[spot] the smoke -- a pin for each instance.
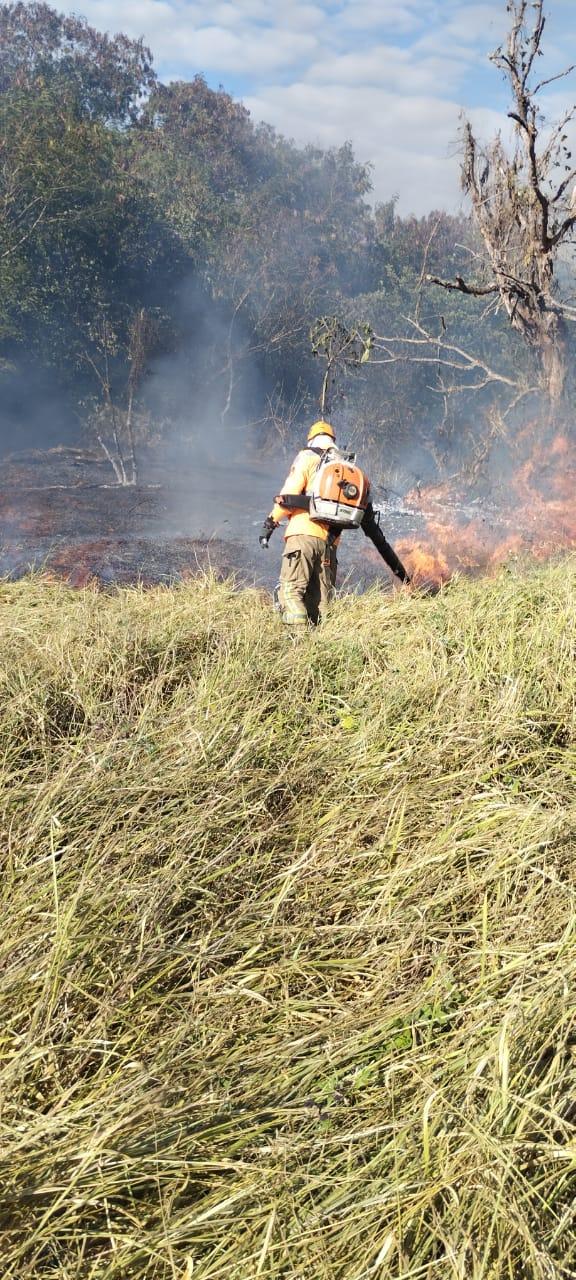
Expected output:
(197, 433)
(206, 397)
(36, 412)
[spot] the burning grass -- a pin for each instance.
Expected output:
(288, 950)
(534, 514)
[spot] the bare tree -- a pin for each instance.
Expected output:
(524, 204)
(342, 348)
(113, 414)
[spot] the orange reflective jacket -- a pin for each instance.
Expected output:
(299, 480)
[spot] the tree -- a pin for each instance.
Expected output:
(523, 205)
(441, 366)
(108, 77)
(276, 235)
(342, 349)
(54, 167)
(119, 371)
(84, 250)
(302, 245)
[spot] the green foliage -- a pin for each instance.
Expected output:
(107, 77)
(119, 194)
(82, 241)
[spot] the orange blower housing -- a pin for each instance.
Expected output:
(340, 493)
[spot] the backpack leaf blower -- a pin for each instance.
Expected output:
(340, 497)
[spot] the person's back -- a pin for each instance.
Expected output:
(309, 562)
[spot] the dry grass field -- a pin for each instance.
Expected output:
(288, 934)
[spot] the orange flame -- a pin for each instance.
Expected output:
(537, 518)
(423, 564)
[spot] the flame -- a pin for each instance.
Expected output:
(423, 564)
(535, 515)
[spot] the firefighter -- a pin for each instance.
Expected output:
(309, 563)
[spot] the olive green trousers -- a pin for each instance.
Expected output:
(307, 579)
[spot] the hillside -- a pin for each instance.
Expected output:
(287, 943)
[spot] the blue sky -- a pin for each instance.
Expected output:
(392, 77)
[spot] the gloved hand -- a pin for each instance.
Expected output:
(266, 532)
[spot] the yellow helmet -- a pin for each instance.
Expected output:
(321, 429)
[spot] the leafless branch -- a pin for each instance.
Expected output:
(423, 272)
(430, 348)
(552, 79)
(563, 186)
(459, 286)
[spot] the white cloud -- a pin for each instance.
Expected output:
(180, 36)
(147, 18)
(390, 75)
(216, 49)
(411, 140)
(365, 15)
(477, 24)
(300, 16)
(388, 66)
(226, 15)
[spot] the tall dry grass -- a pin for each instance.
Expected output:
(288, 945)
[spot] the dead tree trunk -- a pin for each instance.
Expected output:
(523, 206)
